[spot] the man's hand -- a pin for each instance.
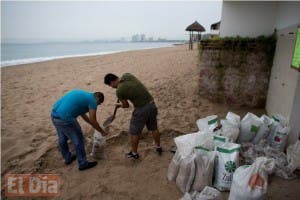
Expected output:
(124, 104)
(104, 133)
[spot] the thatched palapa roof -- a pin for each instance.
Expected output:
(195, 27)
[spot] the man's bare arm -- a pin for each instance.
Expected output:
(86, 118)
(94, 123)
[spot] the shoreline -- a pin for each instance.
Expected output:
(51, 58)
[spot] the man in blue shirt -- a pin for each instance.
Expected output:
(64, 113)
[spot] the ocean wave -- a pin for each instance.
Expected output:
(42, 59)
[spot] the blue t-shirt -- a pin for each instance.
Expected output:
(73, 104)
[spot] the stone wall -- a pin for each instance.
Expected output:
(236, 72)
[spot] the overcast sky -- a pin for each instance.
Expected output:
(57, 21)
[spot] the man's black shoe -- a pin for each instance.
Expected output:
(133, 155)
(159, 150)
(88, 166)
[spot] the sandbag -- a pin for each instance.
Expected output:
(233, 118)
(230, 130)
(278, 137)
(207, 124)
(219, 140)
(264, 130)
(250, 125)
(280, 119)
(99, 143)
(186, 143)
(204, 163)
(251, 182)
(186, 196)
(186, 174)
(174, 167)
(293, 156)
(227, 160)
(209, 193)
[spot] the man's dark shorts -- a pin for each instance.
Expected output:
(142, 116)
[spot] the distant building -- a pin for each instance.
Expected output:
(150, 39)
(143, 37)
(161, 39)
(135, 38)
(215, 29)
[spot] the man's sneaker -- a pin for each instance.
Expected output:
(159, 150)
(88, 166)
(132, 155)
(73, 157)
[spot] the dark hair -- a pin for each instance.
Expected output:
(109, 78)
(99, 96)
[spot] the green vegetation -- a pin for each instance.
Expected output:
(243, 45)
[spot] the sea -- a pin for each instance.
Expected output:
(15, 54)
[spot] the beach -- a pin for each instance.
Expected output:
(29, 140)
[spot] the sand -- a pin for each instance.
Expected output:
(29, 141)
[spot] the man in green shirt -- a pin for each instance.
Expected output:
(128, 87)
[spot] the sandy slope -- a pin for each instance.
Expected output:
(171, 74)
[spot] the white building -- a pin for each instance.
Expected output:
(261, 18)
(215, 28)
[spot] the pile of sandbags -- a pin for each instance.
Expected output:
(210, 157)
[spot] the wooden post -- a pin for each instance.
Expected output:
(192, 41)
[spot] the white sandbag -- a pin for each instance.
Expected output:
(186, 174)
(266, 120)
(207, 124)
(99, 143)
(251, 182)
(186, 196)
(230, 130)
(174, 167)
(186, 143)
(281, 163)
(209, 193)
(227, 160)
(279, 137)
(204, 162)
(250, 125)
(293, 156)
(219, 140)
(279, 118)
(264, 130)
(233, 118)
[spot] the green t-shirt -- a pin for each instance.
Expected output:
(130, 88)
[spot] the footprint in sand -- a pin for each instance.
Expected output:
(29, 102)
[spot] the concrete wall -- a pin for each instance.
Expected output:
(295, 116)
(235, 72)
(248, 19)
(283, 80)
(283, 94)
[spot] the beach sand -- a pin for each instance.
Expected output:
(29, 141)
